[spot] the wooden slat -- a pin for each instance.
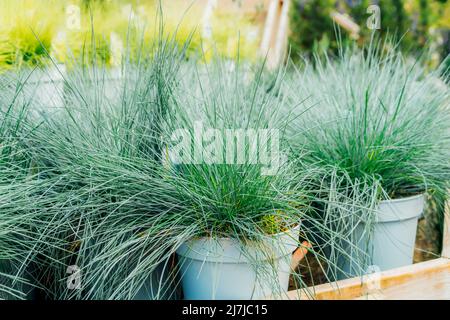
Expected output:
(299, 254)
(446, 239)
(346, 23)
(272, 13)
(275, 37)
(281, 40)
(388, 281)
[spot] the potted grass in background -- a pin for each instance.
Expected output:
(379, 132)
(107, 34)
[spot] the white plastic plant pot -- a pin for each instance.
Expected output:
(218, 269)
(390, 243)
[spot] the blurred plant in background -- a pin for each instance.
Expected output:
(25, 36)
(66, 29)
(121, 25)
(235, 35)
(419, 23)
(310, 26)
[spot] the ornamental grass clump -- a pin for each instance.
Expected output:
(226, 153)
(102, 155)
(22, 223)
(377, 128)
(14, 168)
(131, 168)
(214, 186)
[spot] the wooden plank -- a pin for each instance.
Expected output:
(275, 37)
(281, 40)
(272, 13)
(299, 254)
(433, 287)
(446, 238)
(346, 23)
(385, 283)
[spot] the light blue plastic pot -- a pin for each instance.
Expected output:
(391, 243)
(217, 269)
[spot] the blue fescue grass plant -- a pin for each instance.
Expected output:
(13, 165)
(102, 155)
(377, 127)
(386, 120)
(21, 194)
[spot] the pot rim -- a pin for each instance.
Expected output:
(279, 234)
(404, 199)
(401, 209)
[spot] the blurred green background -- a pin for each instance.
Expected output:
(420, 24)
(67, 29)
